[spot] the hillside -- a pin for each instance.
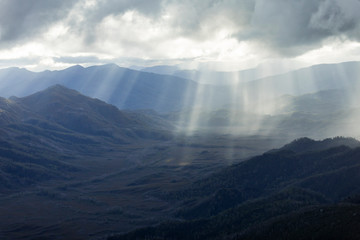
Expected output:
(76, 112)
(325, 222)
(282, 168)
(41, 131)
(271, 191)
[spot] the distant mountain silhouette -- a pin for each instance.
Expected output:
(130, 89)
(124, 88)
(317, 77)
(208, 76)
(161, 69)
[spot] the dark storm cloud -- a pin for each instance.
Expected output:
(292, 27)
(23, 19)
(337, 17)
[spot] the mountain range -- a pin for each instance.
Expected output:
(131, 89)
(124, 88)
(208, 76)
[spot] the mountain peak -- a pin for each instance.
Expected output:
(77, 112)
(110, 65)
(105, 66)
(55, 92)
(58, 87)
(75, 67)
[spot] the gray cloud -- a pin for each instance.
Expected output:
(293, 27)
(200, 19)
(286, 27)
(21, 20)
(282, 25)
(337, 17)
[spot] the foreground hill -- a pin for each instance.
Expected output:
(273, 191)
(341, 221)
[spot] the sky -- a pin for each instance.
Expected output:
(224, 35)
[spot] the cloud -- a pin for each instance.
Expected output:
(201, 19)
(292, 28)
(77, 60)
(283, 27)
(172, 29)
(20, 20)
(93, 12)
(337, 17)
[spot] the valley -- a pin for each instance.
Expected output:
(103, 176)
(115, 190)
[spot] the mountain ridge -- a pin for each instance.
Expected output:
(125, 88)
(131, 89)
